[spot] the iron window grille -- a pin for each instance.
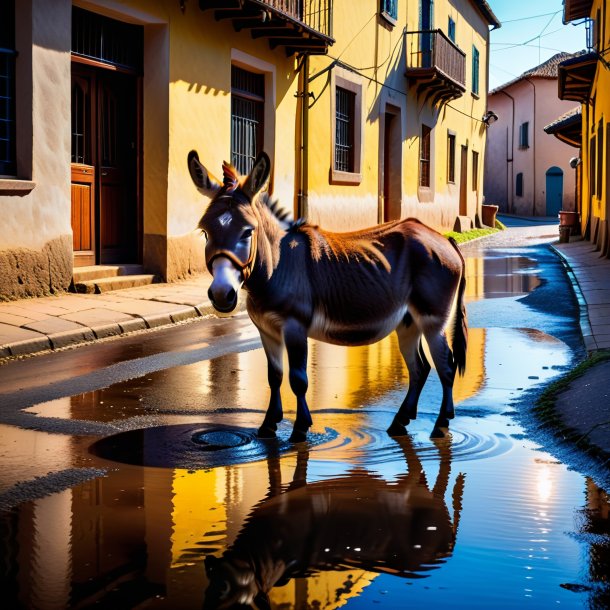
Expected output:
(345, 105)
(424, 156)
(107, 40)
(8, 54)
(247, 112)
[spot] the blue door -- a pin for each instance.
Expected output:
(554, 190)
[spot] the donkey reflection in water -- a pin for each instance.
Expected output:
(356, 522)
(342, 288)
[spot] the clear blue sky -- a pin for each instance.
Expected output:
(531, 32)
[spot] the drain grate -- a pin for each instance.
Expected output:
(215, 440)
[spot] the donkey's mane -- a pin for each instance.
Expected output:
(283, 216)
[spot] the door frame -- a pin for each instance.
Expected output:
(390, 165)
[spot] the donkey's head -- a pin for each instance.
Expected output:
(230, 225)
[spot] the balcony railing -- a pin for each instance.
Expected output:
(436, 64)
(297, 25)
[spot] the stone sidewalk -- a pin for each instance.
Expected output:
(29, 326)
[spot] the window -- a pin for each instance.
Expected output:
(475, 170)
(7, 89)
(519, 185)
(451, 30)
(347, 127)
(600, 157)
(475, 70)
(247, 112)
(424, 156)
(451, 157)
(389, 8)
(344, 129)
(524, 135)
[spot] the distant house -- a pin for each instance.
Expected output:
(585, 79)
(526, 171)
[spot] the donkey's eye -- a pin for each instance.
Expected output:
(247, 234)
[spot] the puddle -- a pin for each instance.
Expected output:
(195, 511)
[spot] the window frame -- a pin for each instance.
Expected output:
(451, 148)
(519, 185)
(476, 64)
(524, 135)
(475, 170)
(344, 79)
(388, 9)
(451, 29)
(425, 157)
(256, 100)
(8, 54)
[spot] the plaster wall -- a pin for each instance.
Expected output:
(35, 232)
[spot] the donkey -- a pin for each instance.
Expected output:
(358, 521)
(342, 288)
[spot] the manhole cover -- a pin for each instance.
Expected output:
(214, 440)
(193, 446)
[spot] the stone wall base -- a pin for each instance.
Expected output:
(34, 273)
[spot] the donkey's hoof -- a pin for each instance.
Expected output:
(266, 432)
(298, 436)
(439, 432)
(397, 429)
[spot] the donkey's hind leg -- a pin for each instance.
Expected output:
(443, 361)
(409, 341)
(274, 351)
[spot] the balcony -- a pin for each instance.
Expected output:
(300, 26)
(435, 65)
(575, 77)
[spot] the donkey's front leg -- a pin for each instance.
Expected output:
(275, 372)
(295, 338)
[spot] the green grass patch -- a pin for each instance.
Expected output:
(461, 238)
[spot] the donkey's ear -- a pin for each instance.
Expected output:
(201, 177)
(258, 176)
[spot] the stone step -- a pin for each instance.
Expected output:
(105, 284)
(93, 272)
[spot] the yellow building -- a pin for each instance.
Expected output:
(370, 111)
(586, 79)
(397, 147)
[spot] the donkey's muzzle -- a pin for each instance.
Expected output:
(224, 289)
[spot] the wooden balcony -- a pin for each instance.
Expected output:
(300, 26)
(435, 65)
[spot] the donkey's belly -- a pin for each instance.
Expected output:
(362, 332)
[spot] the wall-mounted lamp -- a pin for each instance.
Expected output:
(489, 117)
(575, 162)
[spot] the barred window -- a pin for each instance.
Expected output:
(344, 126)
(247, 117)
(424, 156)
(7, 89)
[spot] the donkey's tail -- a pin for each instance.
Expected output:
(460, 325)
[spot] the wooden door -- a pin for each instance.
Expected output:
(83, 170)
(117, 129)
